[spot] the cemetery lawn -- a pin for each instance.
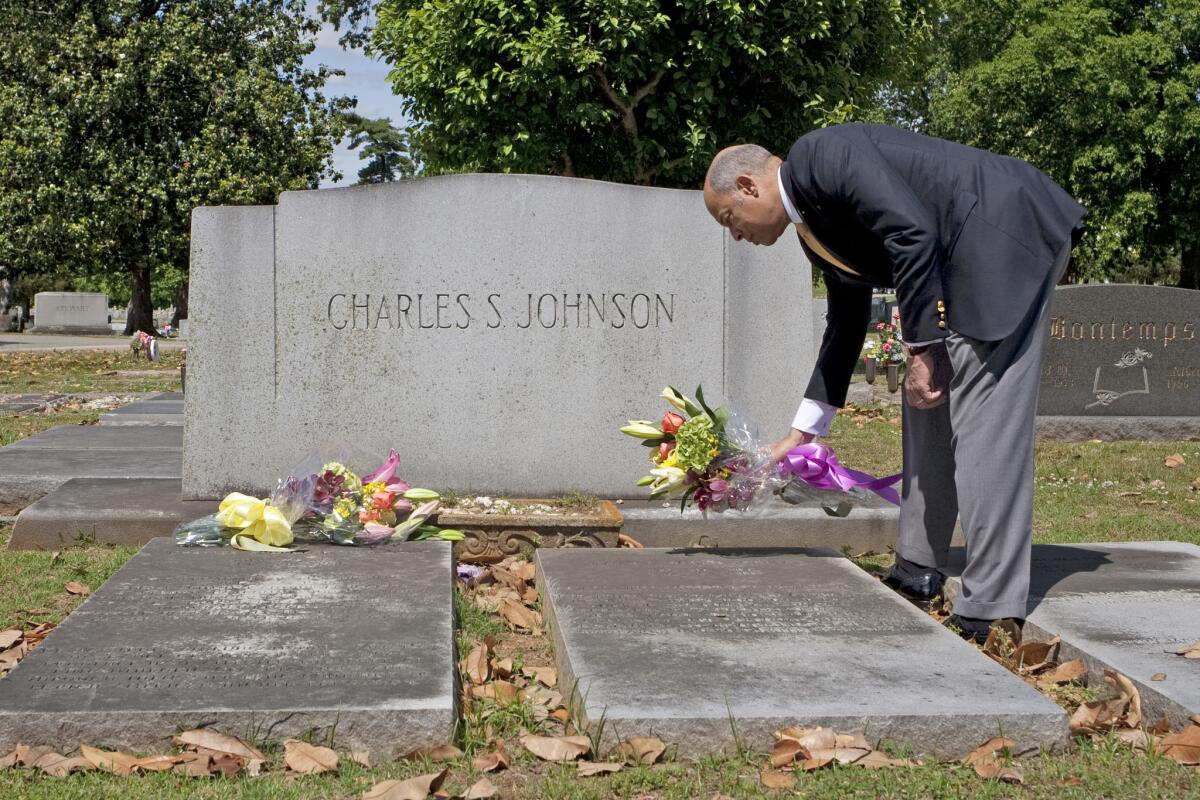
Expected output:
(74, 371)
(1084, 491)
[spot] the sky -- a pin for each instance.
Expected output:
(365, 79)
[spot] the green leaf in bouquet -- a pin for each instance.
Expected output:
(700, 396)
(722, 419)
(450, 535)
(686, 497)
(652, 442)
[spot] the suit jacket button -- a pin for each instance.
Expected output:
(942, 323)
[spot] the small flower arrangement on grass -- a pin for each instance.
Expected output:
(713, 459)
(329, 503)
(142, 342)
(889, 348)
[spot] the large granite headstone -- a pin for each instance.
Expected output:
(702, 646)
(70, 312)
(1123, 606)
(1122, 351)
(496, 329)
(353, 642)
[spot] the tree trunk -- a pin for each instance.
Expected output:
(141, 308)
(1189, 267)
(181, 303)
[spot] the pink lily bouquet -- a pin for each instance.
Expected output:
(713, 459)
(325, 503)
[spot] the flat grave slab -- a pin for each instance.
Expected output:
(124, 511)
(94, 437)
(1125, 607)
(676, 642)
(353, 641)
(151, 406)
(27, 474)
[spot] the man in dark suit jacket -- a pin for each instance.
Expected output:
(973, 244)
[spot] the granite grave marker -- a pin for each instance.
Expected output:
(70, 312)
(496, 329)
(351, 642)
(675, 643)
(1122, 350)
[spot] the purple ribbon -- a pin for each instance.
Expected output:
(817, 465)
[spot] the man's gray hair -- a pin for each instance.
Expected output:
(742, 159)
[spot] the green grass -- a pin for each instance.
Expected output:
(18, 426)
(71, 371)
(33, 581)
(1084, 491)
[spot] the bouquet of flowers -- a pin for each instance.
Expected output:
(323, 501)
(713, 458)
(889, 349)
(142, 342)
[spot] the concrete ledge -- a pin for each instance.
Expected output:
(1155, 429)
(28, 474)
(74, 330)
(121, 511)
(872, 526)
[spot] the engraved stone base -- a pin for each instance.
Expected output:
(702, 646)
(494, 537)
(1123, 606)
(354, 642)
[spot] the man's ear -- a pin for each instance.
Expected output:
(746, 185)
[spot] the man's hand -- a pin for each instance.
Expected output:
(794, 438)
(919, 386)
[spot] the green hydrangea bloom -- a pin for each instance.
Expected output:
(695, 444)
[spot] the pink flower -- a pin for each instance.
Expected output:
(887, 347)
(717, 489)
(879, 326)
(665, 449)
(386, 472)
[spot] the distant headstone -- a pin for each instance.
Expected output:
(353, 644)
(490, 327)
(712, 649)
(1122, 351)
(70, 312)
(1126, 607)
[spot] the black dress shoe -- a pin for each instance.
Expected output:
(976, 630)
(914, 581)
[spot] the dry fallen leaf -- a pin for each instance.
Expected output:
(809, 738)
(308, 759)
(810, 764)
(441, 752)
(1064, 673)
(481, 790)
(1158, 676)
(75, 587)
(786, 751)
(992, 770)
(547, 676)
(519, 616)
(495, 760)
(641, 749)
(211, 740)
(1190, 651)
(503, 691)
(157, 763)
(842, 755)
(362, 757)
(773, 779)
(1032, 655)
(625, 540)
(1071, 781)
(59, 766)
(10, 637)
(475, 667)
(1174, 460)
(194, 765)
(117, 763)
(589, 768)
(987, 751)
(417, 788)
(557, 748)
(1183, 747)
(1133, 715)
(1137, 739)
(228, 764)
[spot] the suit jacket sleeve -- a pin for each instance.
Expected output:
(848, 315)
(852, 177)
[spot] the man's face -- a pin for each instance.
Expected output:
(752, 211)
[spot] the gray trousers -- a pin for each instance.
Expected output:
(972, 457)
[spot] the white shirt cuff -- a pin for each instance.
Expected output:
(814, 417)
(923, 344)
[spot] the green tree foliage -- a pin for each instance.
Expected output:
(384, 148)
(1103, 96)
(118, 117)
(628, 90)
